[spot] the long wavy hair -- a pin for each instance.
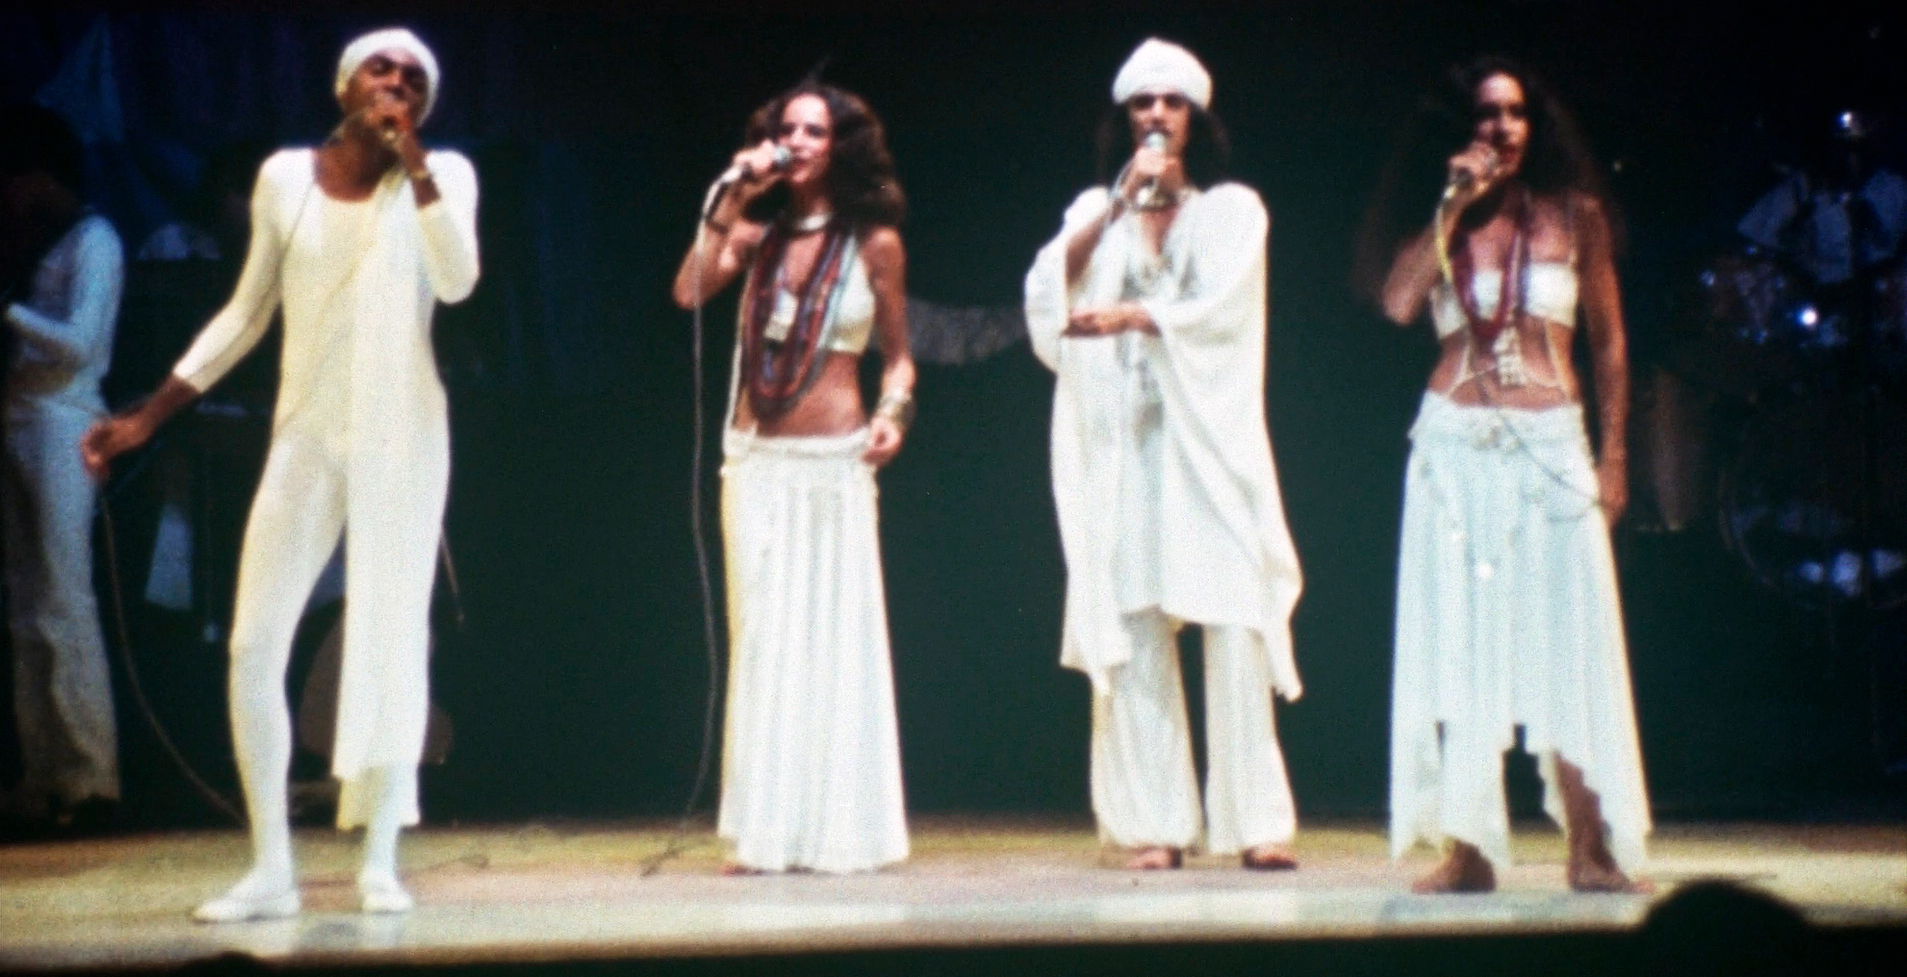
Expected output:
(1557, 162)
(1208, 147)
(860, 178)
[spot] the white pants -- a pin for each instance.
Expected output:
(62, 690)
(296, 520)
(1144, 788)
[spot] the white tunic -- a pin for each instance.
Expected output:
(358, 283)
(1210, 528)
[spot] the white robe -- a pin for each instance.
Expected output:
(358, 283)
(1224, 555)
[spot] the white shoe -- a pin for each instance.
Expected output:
(245, 901)
(381, 893)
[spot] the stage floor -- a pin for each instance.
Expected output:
(548, 892)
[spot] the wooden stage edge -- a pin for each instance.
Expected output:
(549, 893)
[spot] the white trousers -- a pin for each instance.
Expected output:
(296, 520)
(62, 689)
(811, 773)
(1144, 787)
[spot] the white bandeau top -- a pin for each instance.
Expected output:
(1551, 296)
(853, 309)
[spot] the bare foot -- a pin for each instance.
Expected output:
(1593, 869)
(1156, 857)
(1463, 870)
(1269, 858)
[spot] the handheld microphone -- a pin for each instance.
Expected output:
(1460, 182)
(741, 171)
(1155, 141)
(1463, 181)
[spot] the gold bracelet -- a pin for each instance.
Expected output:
(897, 406)
(419, 174)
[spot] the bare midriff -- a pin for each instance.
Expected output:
(832, 406)
(1551, 381)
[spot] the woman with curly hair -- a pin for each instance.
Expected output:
(1507, 611)
(808, 218)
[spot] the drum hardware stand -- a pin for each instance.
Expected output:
(1866, 616)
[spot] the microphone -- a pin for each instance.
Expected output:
(1462, 181)
(741, 171)
(1155, 141)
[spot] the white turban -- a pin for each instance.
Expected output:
(390, 39)
(1162, 66)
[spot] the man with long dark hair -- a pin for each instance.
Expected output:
(1150, 307)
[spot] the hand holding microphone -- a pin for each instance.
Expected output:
(1154, 146)
(1472, 173)
(754, 164)
(389, 119)
(751, 171)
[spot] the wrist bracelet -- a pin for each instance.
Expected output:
(419, 174)
(897, 406)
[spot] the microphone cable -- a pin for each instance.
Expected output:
(678, 842)
(123, 631)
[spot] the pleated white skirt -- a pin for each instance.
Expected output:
(1507, 615)
(811, 774)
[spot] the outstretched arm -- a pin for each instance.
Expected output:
(222, 343)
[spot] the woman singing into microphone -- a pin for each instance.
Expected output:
(1507, 613)
(808, 218)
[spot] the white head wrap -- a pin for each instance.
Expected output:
(1163, 66)
(389, 39)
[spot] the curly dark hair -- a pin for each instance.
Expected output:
(1557, 162)
(1208, 147)
(860, 176)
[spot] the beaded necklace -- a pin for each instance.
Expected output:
(781, 354)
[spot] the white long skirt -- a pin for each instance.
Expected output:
(811, 774)
(1507, 615)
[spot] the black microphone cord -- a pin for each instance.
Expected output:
(678, 842)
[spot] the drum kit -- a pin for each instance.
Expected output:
(1811, 488)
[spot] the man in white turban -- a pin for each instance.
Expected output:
(1150, 308)
(356, 241)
